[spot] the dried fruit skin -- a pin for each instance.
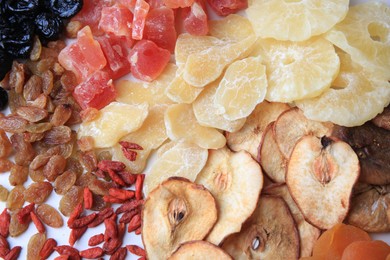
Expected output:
(49, 215)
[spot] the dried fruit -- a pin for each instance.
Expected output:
(92, 253)
(18, 175)
(96, 240)
(47, 248)
(200, 250)
(64, 182)
(49, 215)
(70, 200)
(37, 222)
(15, 227)
(5, 219)
(35, 245)
(38, 192)
(15, 198)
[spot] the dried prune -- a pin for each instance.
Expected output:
(18, 38)
(22, 6)
(48, 26)
(6, 64)
(66, 8)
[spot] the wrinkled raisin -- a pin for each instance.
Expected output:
(35, 245)
(49, 215)
(16, 228)
(15, 198)
(18, 175)
(38, 192)
(64, 182)
(70, 200)
(3, 193)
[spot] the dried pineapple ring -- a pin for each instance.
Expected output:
(295, 20)
(232, 28)
(365, 35)
(181, 92)
(243, 86)
(297, 70)
(356, 98)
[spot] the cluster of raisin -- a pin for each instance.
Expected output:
(20, 20)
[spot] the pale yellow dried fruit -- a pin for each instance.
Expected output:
(232, 28)
(235, 180)
(364, 34)
(243, 86)
(199, 249)
(249, 137)
(355, 97)
(321, 173)
(113, 122)
(206, 114)
(175, 212)
(295, 20)
(181, 92)
(297, 70)
(177, 159)
(150, 136)
(181, 124)
(204, 67)
(133, 92)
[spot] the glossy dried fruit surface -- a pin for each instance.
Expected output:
(49, 215)
(38, 192)
(70, 200)
(35, 245)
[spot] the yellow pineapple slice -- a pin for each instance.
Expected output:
(297, 70)
(204, 67)
(295, 20)
(188, 44)
(181, 124)
(365, 35)
(205, 111)
(113, 122)
(231, 28)
(181, 92)
(150, 136)
(243, 86)
(132, 92)
(180, 159)
(356, 97)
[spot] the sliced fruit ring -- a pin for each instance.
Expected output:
(249, 137)
(297, 70)
(308, 234)
(355, 97)
(320, 175)
(364, 34)
(295, 20)
(370, 208)
(235, 180)
(175, 212)
(232, 28)
(199, 250)
(270, 233)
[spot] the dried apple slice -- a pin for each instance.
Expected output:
(292, 125)
(181, 124)
(181, 92)
(249, 137)
(199, 250)
(175, 212)
(270, 233)
(370, 208)
(235, 180)
(178, 159)
(150, 136)
(308, 234)
(132, 92)
(320, 175)
(205, 111)
(113, 122)
(271, 159)
(243, 86)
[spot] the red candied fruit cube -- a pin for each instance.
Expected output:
(226, 7)
(90, 14)
(195, 20)
(178, 3)
(84, 57)
(148, 60)
(141, 10)
(116, 19)
(97, 91)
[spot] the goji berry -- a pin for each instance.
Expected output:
(83, 221)
(99, 173)
(75, 213)
(37, 222)
(67, 250)
(134, 223)
(62, 257)
(120, 254)
(121, 194)
(3, 242)
(136, 250)
(116, 178)
(129, 145)
(128, 215)
(128, 177)
(5, 219)
(111, 199)
(3, 251)
(129, 154)
(14, 253)
(96, 239)
(128, 206)
(106, 165)
(138, 231)
(111, 230)
(76, 234)
(88, 198)
(101, 216)
(138, 186)
(91, 253)
(47, 248)
(24, 214)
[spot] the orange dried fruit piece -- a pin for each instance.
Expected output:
(297, 70)
(149, 136)
(175, 159)
(321, 173)
(295, 20)
(355, 97)
(113, 122)
(232, 28)
(366, 250)
(364, 34)
(206, 114)
(243, 86)
(333, 241)
(235, 180)
(133, 92)
(181, 124)
(181, 92)
(204, 67)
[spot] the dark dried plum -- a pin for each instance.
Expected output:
(22, 6)
(6, 64)
(17, 40)
(48, 26)
(66, 8)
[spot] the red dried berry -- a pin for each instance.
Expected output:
(37, 222)
(138, 186)
(76, 234)
(92, 253)
(134, 223)
(96, 240)
(106, 165)
(5, 219)
(136, 250)
(88, 198)
(47, 248)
